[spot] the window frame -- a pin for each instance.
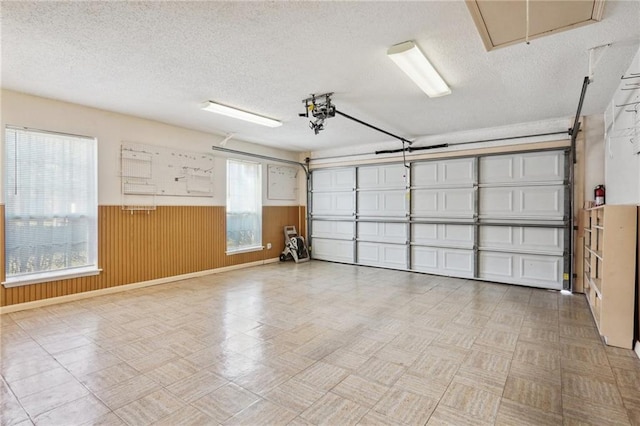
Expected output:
(260, 204)
(91, 268)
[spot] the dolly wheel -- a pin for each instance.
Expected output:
(282, 257)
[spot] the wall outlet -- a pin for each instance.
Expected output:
(268, 246)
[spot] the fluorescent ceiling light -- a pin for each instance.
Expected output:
(412, 61)
(239, 114)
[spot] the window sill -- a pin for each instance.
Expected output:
(51, 276)
(244, 250)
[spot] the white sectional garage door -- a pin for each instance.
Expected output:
(498, 218)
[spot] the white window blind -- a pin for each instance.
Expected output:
(244, 205)
(51, 205)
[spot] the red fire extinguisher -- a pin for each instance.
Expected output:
(599, 195)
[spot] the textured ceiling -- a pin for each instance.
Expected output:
(161, 60)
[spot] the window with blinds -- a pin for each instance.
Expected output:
(51, 206)
(244, 206)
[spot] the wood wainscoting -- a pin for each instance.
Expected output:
(637, 310)
(169, 241)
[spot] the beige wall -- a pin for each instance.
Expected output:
(111, 129)
(594, 154)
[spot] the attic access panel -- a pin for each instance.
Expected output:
(503, 23)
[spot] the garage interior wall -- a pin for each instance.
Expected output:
(183, 235)
(593, 154)
(622, 144)
(621, 156)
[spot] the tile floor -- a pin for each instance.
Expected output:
(316, 343)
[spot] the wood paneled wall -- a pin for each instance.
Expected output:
(2, 258)
(638, 281)
(172, 240)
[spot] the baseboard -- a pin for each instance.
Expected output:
(126, 287)
(637, 348)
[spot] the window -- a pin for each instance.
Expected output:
(51, 206)
(244, 206)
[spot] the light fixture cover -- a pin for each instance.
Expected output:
(412, 61)
(240, 114)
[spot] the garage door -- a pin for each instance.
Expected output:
(498, 218)
(525, 194)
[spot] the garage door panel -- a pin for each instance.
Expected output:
(334, 179)
(459, 172)
(424, 259)
(522, 168)
(458, 261)
(333, 229)
(528, 202)
(459, 202)
(334, 250)
(382, 203)
(526, 269)
(442, 261)
(493, 265)
(385, 255)
(383, 232)
(360, 216)
(518, 238)
(450, 202)
(542, 166)
(543, 239)
(442, 235)
(379, 177)
(334, 204)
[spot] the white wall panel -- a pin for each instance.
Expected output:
(526, 269)
(385, 255)
(385, 232)
(442, 235)
(450, 202)
(334, 250)
(382, 177)
(334, 179)
(518, 239)
(459, 172)
(521, 168)
(528, 202)
(382, 203)
(442, 261)
(333, 204)
(333, 229)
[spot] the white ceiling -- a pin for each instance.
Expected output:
(161, 60)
